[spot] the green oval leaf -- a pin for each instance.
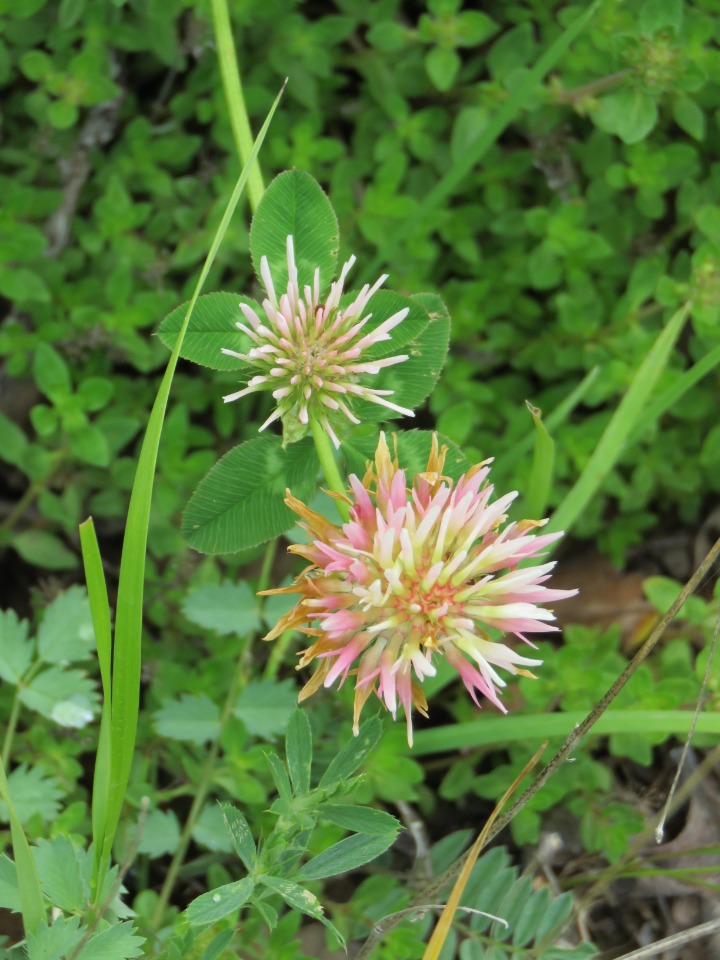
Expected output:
(211, 327)
(346, 855)
(218, 903)
(239, 504)
(295, 205)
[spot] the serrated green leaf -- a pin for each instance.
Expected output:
(239, 504)
(66, 632)
(67, 697)
(117, 942)
(9, 891)
(32, 793)
(55, 942)
(295, 205)
(161, 833)
(361, 819)
(216, 904)
(301, 899)
(346, 855)
(240, 835)
(59, 866)
(264, 706)
(230, 609)
(353, 753)
(193, 718)
(298, 751)
(212, 326)
(43, 549)
(16, 649)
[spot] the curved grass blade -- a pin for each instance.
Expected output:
(128, 626)
(102, 627)
(541, 474)
(630, 414)
(32, 905)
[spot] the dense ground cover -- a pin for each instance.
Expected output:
(561, 244)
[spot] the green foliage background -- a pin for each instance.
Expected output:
(561, 253)
(557, 254)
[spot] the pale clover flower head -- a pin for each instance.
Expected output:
(418, 573)
(312, 355)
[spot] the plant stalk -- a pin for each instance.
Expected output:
(329, 466)
(232, 85)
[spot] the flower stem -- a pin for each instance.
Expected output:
(329, 466)
(232, 86)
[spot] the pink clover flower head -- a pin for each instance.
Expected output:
(418, 573)
(310, 354)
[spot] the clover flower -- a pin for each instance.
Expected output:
(416, 574)
(310, 354)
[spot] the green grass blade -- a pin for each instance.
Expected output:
(128, 626)
(556, 419)
(490, 730)
(476, 151)
(32, 905)
(100, 612)
(232, 85)
(681, 386)
(630, 414)
(536, 499)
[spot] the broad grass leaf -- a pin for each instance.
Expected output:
(239, 503)
(215, 904)
(295, 205)
(211, 327)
